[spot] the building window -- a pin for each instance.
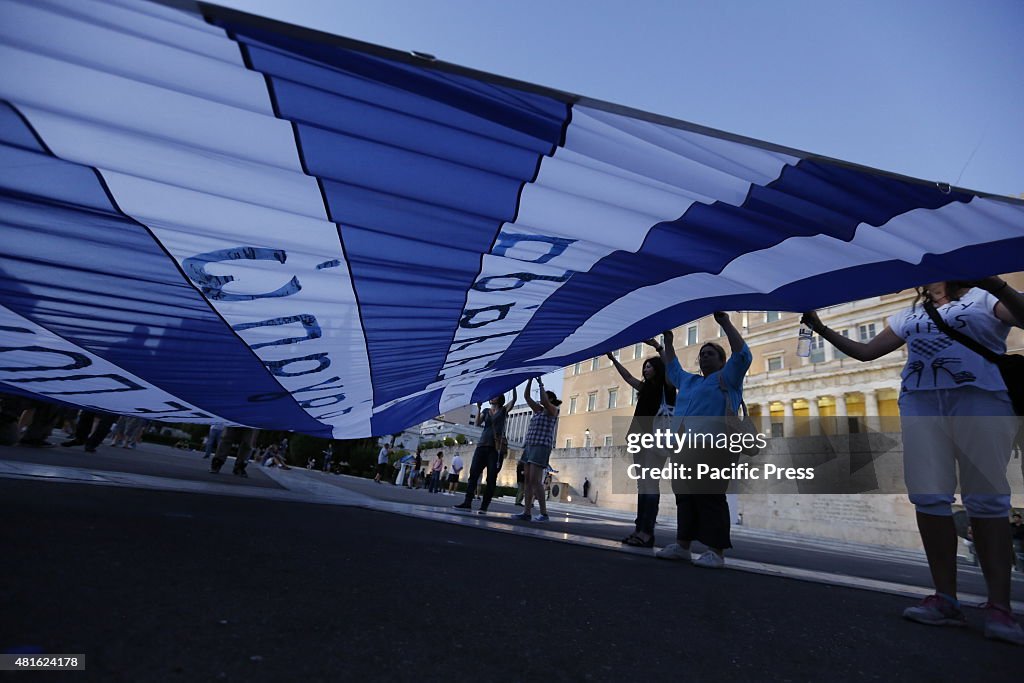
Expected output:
(691, 335)
(774, 363)
(616, 354)
(568, 443)
(817, 349)
(587, 443)
(595, 364)
(632, 398)
(638, 350)
(572, 405)
(866, 332)
(771, 316)
(592, 402)
(613, 398)
(836, 353)
(607, 441)
(576, 369)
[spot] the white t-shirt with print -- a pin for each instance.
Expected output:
(935, 361)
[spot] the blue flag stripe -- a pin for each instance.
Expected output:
(118, 279)
(433, 157)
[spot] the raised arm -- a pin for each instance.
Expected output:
(534, 406)
(887, 341)
(668, 351)
(624, 373)
(736, 342)
(1010, 308)
(512, 402)
(550, 407)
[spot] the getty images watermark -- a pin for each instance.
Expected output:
(666, 441)
(822, 455)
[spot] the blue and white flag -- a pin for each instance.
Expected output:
(211, 216)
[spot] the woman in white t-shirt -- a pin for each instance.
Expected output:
(954, 409)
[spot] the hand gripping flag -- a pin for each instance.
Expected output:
(211, 216)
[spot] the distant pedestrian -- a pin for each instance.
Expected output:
(417, 463)
(88, 434)
(382, 461)
(537, 445)
(520, 482)
(486, 456)
(133, 431)
(453, 478)
(1017, 534)
(237, 440)
(216, 430)
(328, 457)
(435, 472)
(586, 488)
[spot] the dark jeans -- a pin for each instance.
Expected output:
(483, 457)
(647, 512)
(703, 518)
(435, 482)
(648, 493)
(84, 432)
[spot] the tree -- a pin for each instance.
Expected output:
(460, 439)
(449, 441)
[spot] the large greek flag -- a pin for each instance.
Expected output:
(206, 215)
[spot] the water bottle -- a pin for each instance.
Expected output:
(803, 341)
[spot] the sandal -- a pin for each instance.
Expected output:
(629, 538)
(638, 542)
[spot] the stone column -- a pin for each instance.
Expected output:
(841, 405)
(842, 425)
(814, 415)
(870, 403)
(787, 408)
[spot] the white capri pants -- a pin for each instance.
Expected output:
(966, 428)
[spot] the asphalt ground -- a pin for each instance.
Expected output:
(778, 549)
(148, 459)
(166, 586)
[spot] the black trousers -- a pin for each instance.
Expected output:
(647, 512)
(648, 492)
(84, 431)
(703, 517)
(483, 457)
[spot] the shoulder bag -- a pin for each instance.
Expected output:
(1011, 366)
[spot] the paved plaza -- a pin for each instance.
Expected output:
(158, 570)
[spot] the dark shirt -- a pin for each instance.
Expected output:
(648, 402)
(492, 424)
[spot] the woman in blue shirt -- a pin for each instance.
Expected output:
(704, 517)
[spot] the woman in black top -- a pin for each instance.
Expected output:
(653, 391)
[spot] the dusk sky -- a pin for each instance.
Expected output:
(929, 89)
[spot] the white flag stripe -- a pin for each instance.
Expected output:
(34, 359)
(908, 237)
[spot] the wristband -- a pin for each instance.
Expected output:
(999, 288)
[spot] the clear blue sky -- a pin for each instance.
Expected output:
(921, 87)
